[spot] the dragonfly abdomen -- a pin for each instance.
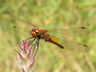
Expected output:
(56, 43)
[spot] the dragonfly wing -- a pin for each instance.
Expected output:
(71, 40)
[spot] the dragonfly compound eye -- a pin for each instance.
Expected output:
(34, 34)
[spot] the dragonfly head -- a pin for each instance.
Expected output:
(34, 32)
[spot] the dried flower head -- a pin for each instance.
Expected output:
(25, 58)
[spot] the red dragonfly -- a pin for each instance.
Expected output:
(43, 34)
(38, 34)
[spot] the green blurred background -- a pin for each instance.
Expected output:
(63, 19)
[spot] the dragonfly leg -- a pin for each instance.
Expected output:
(29, 38)
(36, 47)
(33, 40)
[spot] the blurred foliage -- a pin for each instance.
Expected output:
(65, 18)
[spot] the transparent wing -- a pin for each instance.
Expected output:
(71, 38)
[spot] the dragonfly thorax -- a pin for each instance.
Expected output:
(40, 33)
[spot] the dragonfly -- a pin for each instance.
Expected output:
(37, 34)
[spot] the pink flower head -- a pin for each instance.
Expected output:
(25, 58)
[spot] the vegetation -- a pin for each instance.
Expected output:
(63, 19)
